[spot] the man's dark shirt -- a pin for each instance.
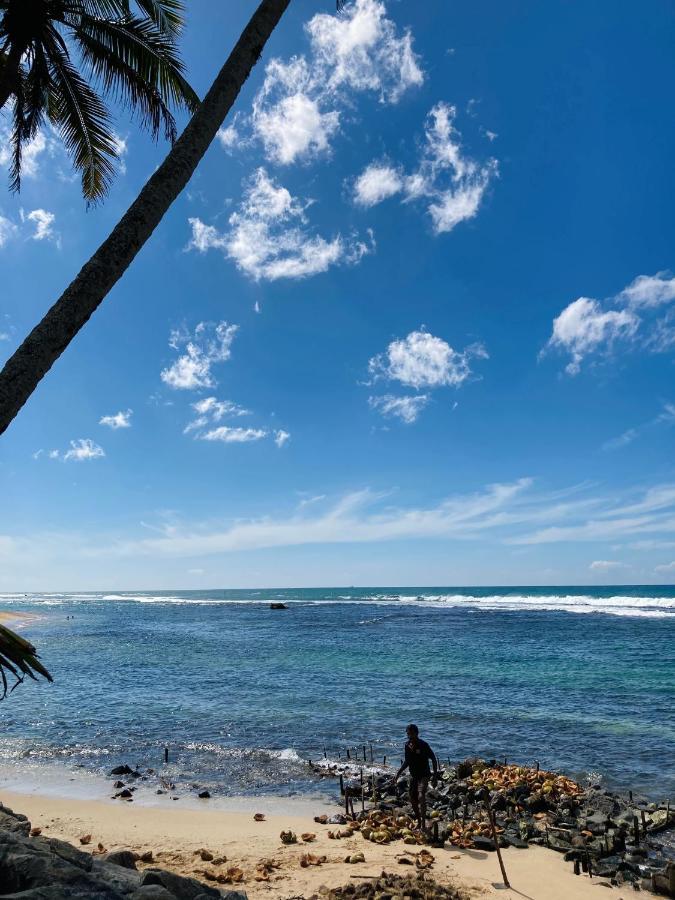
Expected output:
(418, 758)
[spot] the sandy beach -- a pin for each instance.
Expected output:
(174, 835)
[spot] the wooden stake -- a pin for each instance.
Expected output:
(342, 785)
(364, 752)
(636, 831)
(166, 754)
(346, 805)
(495, 838)
(644, 823)
(384, 761)
(363, 797)
(348, 756)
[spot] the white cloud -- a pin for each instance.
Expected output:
(606, 565)
(7, 230)
(405, 408)
(649, 290)
(281, 437)
(53, 454)
(32, 151)
(294, 125)
(622, 440)
(297, 111)
(269, 238)
(210, 344)
(121, 148)
(422, 360)
(211, 411)
(228, 137)
(451, 184)
(376, 183)
(362, 50)
(667, 568)
(634, 316)
(121, 419)
(82, 449)
(38, 454)
(43, 220)
(228, 435)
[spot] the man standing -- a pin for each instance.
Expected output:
(417, 756)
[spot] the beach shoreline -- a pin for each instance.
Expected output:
(174, 835)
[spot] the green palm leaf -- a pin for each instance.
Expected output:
(18, 658)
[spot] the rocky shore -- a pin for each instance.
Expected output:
(623, 839)
(33, 867)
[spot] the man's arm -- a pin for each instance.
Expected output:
(404, 766)
(434, 763)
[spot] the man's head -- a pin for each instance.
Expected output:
(413, 732)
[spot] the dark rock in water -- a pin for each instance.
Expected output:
(124, 858)
(118, 785)
(121, 770)
(203, 795)
(125, 794)
(278, 606)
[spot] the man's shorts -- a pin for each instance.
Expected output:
(418, 789)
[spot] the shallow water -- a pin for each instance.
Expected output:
(244, 696)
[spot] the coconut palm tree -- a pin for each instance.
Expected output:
(18, 658)
(47, 341)
(134, 58)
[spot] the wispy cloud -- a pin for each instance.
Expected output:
(79, 451)
(642, 315)
(666, 568)
(665, 417)
(450, 184)
(407, 409)
(419, 361)
(228, 435)
(209, 344)
(121, 419)
(281, 437)
(606, 565)
(270, 238)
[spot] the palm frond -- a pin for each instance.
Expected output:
(168, 15)
(84, 123)
(18, 658)
(142, 46)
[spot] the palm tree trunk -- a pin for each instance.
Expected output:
(47, 341)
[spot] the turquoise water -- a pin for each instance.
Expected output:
(581, 679)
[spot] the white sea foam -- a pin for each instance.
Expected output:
(615, 605)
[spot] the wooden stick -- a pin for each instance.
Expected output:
(342, 785)
(495, 838)
(371, 751)
(166, 754)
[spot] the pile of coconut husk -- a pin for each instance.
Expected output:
(622, 838)
(395, 887)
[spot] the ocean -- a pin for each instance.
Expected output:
(580, 679)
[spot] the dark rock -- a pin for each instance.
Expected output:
(512, 840)
(125, 794)
(14, 822)
(152, 892)
(118, 784)
(124, 858)
(278, 606)
(337, 819)
(203, 795)
(483, 843)
(121, 770)
(182, 888)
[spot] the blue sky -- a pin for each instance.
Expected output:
(412, 322)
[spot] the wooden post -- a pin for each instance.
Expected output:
(495, 838)
(630, 796)
(166, 754)
(346, 805)
(362, 775)
(363, 797)
(342, 785)
(325, 755)
(348, 756)
(636, 831)
(364, 752)
(384, 761)
(644, 823)
(537, 762)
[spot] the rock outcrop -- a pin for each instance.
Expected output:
(43, 868)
